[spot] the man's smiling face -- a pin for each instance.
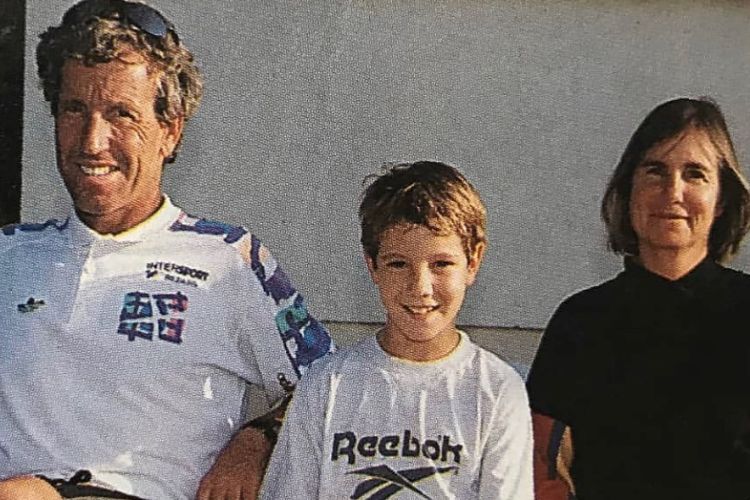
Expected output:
(110, 144)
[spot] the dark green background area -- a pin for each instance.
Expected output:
(11, 107)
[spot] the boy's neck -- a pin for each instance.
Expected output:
(400, 346)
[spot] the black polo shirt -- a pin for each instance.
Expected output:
(653, 378)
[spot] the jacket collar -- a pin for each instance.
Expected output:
(164, 216)
(702, 275)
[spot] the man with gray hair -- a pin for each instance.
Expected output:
(131, 330)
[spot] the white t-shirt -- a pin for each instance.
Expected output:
(129, 355)
(365, 425)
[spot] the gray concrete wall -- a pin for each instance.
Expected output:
(534, 100)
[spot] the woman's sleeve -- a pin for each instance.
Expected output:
(552, 386)
(553, 456)
(553, 379)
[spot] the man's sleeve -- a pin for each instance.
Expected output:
(507, 461)
(280, 337)
(295, 466)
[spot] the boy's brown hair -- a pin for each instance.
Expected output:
(425, 193)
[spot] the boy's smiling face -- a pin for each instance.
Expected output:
(422, 278)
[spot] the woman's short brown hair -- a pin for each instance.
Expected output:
(425, 193)
(664, 122)
(99, 31)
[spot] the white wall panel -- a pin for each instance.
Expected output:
(534, 100)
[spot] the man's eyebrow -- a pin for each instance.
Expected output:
(131, 100)
(127, 104)
(71, 100)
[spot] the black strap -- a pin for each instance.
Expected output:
(270, 423)
(74, 487)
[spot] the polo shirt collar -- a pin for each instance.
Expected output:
(698, 278)
(164, 216)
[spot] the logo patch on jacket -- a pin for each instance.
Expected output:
(144, 314)
(176, 273)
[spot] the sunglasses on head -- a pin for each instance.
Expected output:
(138, 15)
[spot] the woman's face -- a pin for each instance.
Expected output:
(675, 195)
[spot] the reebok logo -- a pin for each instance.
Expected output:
(383, 482)
(346, 444)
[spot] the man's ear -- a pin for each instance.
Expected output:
(475, 262)
(173, 133)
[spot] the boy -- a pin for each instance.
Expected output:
(418, 411)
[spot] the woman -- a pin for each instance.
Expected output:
(641, 385)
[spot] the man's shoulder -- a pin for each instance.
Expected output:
(219, 238)
(208, 230)
(28, 232)
(236, 247)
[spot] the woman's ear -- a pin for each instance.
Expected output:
(719, 210)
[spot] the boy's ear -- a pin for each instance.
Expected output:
(474, 262)
(370, 265)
